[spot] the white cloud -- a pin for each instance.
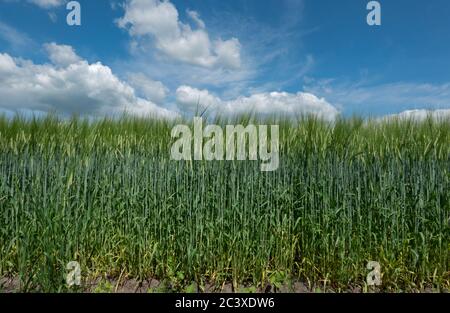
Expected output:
(160, 20)
(68, 85)
(422, 114)
(53, 17)
(47, 3)
(15, 38)
(61, 55)
(196, 18)
(278, 103)
(228, 53)
(193, 100)
(150, 89)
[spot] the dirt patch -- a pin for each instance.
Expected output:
(9, 284)
(132, 285)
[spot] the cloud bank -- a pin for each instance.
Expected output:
(69, 85)
(263, 104)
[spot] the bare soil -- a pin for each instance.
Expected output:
(126, 285)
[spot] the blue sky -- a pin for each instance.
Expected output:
(270, 56)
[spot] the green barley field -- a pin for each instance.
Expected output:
(106, 194)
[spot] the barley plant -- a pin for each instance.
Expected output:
(106, 194)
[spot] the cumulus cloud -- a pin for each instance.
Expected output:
(160, 20)
(279, 103)
(68, 85)
(47, 3)
(61, 55)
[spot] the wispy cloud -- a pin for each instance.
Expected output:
(47, 4)
(379, 99)
(16, 39)
(255, 60)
